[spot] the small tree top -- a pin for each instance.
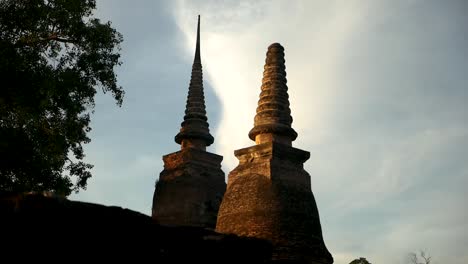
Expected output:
(360, 261)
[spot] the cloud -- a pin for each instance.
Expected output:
(377, 92)
(234, 43)
(378, 96)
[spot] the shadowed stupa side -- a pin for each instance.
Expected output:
(191, 186)
(269, 193)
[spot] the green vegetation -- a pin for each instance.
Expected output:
(54, 55)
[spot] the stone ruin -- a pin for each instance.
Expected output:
(191, 186)
(268, 194)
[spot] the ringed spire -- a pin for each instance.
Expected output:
(273, 119)
(194, 131)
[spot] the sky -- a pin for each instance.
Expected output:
(378, 93)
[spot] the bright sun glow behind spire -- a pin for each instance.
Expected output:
(360, 76)
(234, 54)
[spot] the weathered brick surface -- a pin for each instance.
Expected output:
(190, 189)
(269, 193)
(191, 186)
(269, 197)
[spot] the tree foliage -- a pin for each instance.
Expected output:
(360, 261)
(54, 55)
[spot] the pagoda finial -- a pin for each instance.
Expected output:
(273, 119)
(194, 131)
(197, 48)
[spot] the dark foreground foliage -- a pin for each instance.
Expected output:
(53, 57)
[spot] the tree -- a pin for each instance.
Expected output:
(54, 55)
(422, 258)
(360, 261)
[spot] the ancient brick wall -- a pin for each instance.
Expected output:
(190, 189)
(269, 197)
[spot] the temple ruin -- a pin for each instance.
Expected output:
(191, 186)
(269, 193)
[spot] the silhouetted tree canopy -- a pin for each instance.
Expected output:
(360, 261)
(53, 57)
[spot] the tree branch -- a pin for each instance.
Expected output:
(52, 37)
(427, 260)
(57, 38)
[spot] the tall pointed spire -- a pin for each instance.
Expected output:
(189, 190)
(194, 131)
(197, 47)
(273, 119)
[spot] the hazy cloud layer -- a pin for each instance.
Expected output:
(378, 93)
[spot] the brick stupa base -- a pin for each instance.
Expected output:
(190, 189)
(269, 197)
